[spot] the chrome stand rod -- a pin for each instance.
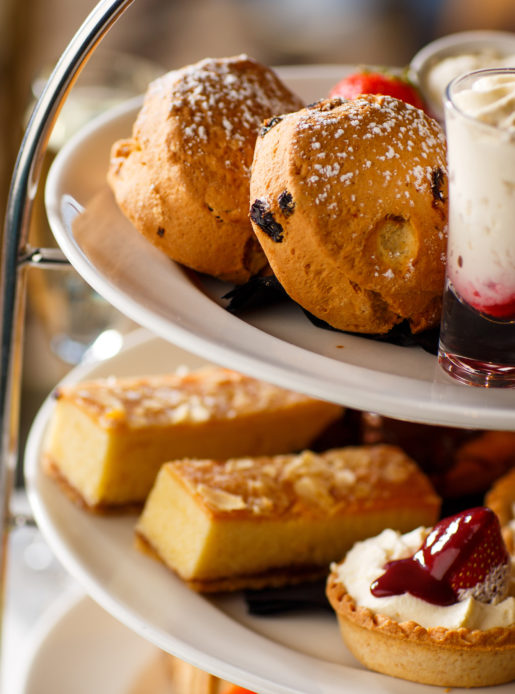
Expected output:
(24, 183)
(53, 258)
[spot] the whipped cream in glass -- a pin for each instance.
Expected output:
(479, 302)
(448, 68)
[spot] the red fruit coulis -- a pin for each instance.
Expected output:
(445, 550)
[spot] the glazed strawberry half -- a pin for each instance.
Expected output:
(371, 82)
(463, 556)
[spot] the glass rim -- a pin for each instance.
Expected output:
(449, 103)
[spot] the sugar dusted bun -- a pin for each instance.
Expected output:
(183, 177)
(349, 201)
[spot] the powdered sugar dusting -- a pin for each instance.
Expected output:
(391, 132)
(225, 99)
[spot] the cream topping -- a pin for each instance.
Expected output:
(365, 562)
(491, 99)
(447, 69)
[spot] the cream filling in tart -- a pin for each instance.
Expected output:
(365, 562)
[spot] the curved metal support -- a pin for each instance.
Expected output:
(24, 184)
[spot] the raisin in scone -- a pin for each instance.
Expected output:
(349, 201)
(183, 177)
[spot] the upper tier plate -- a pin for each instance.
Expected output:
(277, 344)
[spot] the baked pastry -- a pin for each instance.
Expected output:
(459, 462)
(270, 521)
(501, 499)
(108, 438)
(183, 177)
(435, 606)
(349, 201)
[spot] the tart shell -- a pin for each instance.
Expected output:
(437, 656)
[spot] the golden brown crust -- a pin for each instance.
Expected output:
(183, 177)
(501, 497)
(438, 656)
(196, 397)
(349, 201)
(341, 481)
(345, 607)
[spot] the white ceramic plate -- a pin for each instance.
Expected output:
(78, 647)
(278, 344)
(295, 654)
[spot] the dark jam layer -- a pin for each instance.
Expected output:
(408, 576)
(465, 331)
(446, 549)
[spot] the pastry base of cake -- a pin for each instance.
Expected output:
(437, 656)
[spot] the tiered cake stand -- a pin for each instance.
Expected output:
(189, 323)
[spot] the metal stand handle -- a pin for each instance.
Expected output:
(17, 256)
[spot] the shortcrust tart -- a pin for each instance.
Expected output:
(465, 641)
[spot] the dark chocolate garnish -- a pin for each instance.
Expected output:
(261, 215)
(286, 203)
(270, 601)
(400, 335)
(258, 292)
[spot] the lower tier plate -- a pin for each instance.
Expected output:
(101, 654)
(298, 653)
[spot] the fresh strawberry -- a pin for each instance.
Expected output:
(471, 554)
(464, 555)
(371, 82)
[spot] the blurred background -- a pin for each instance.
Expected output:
(171, 33)
(154, 36)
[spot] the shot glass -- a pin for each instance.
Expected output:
(477, 334)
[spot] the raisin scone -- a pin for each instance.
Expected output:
(349, 201)
(183, 177)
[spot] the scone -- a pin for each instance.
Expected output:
(270, 521)
(435, 606)
(349, 201)
(108, 438)
(183, 177)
